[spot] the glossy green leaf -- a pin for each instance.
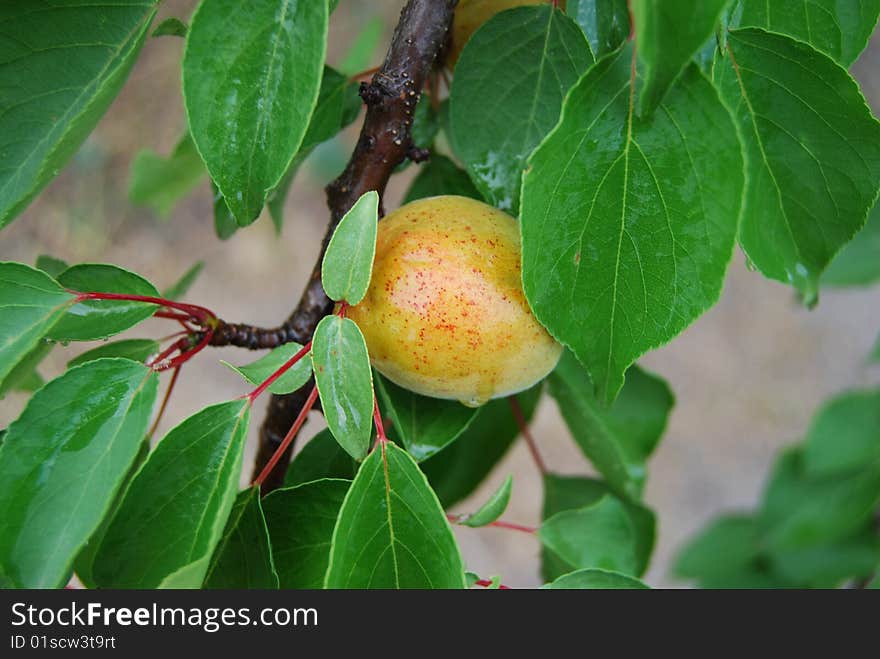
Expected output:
(31, 302)
(839, 28)
(243, 557)
(23, 376)
(137, 350)
(224, 224)
(493, 508)
(175, 510)
(50, 265)
(800, 511)
(458, 470)
(592, 579)
(573, 493)
(345, 382)
(251, 74)
(159, 182)
(301, 521)
(519, 64)
(424, 425)
(321, 457)
(604, 22)
(845, 434)
(170, 27)
(348, 261)
(97, 319)
(668, 35)
(858, 263)
(62, 462)
(391, 531)
(181, 287)
(259, 371)
(617, 439)
(627, 225)
(441, 176)
(63, 64)
(812, 152)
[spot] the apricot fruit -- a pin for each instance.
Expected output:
(445, 314)
(471, 14)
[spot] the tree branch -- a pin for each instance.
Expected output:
(384, 142)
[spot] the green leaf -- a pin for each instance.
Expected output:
(175, 510)
(441, 176)
(137, 350)
(321, 457)
(458, 470)
(493, 508)
(170, 27)
(301, 521)
(224, 224)
(181, 287)
(24, 376)
(50, 265)
(426, 122)
(63, 65)
(827, 566)
(338, 105)
(98, 319)
(619, 253)
(845, 434)
(717, 557)
(425, 425)
(839, 29)
(251, 74)
(800, 511)
(604, 22)
(858, 263)
(592, 579)
(243, 557)
(617, 439)
(812, 153)
(668, 34)
(573, 493)
(31, 302)
(363, 48)
(259, 371)
(159, 183)
(345, 384)
(348, 261)
(601, 535)
(62, 462)
(391, 531)
(520, 64)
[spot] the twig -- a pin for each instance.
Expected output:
(520, 419)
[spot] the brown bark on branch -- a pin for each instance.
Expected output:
(384, 142)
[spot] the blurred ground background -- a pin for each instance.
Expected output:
(747, 375)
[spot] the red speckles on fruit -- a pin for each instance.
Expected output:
(448, 318)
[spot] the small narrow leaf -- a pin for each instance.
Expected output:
(50, 265)
(425, 425)
(812, 152)
(858, 263)
(97, 319)
(175, 510)
(604, 22)
(441, 176)
(181, 287)
(31, 302)
(137, 350)
(170, 27)
(627, 224)
(321, 457)
(391, 531)
(243, 557)
(520, 63)
(63, 65)
(344, 378)
(668, 35)
(493, 508)
(301, 521)
(259, 371)
(616, 439)
(251, 74)
(159, 182)
(592, 579)
(63, 461)
(348, 262)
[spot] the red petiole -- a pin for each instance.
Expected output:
(288, 438)
(281, 371)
